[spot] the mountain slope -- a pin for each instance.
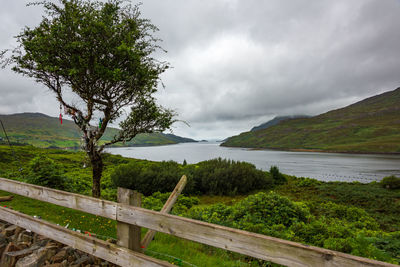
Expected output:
(44, 131)
(275, 121)
(371, 125)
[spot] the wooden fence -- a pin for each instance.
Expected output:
(246, 243)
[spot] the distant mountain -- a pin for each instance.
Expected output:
(276, 120)
(371, 125)
(44, 131)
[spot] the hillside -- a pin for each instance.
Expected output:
(44, 131)
(275, 121)
(369, 126)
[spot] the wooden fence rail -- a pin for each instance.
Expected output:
(247, 243)
(99, 248)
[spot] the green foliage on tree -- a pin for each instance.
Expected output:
(45, 172)
(391, 182)
(101, 53)
(277, 176)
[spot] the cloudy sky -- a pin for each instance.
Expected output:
(237, 64)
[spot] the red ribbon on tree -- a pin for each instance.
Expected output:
(60, 117)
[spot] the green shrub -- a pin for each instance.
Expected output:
(150, 177)
(218, 213)
(358, 217)
(277, 177)
(213, 177)
(127, 175)
(45, 172)
(306, 182)
(391, 182)
(157, 200)
(256, 213)
(227, 177)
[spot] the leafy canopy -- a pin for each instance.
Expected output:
(102, 52)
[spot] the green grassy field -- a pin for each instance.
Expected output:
(368, 126)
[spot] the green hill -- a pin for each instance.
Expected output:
(275, 121)
(44, 131)
(369, 126)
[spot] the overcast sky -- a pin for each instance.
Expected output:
(237, 64)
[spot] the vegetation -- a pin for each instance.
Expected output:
(211, 177)
(370, 125)
(102, 53)
(277, 177)
(275, 121)
(356, 218)
(45, 172)
(391, 182)
(43, 131)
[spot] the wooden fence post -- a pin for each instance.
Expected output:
(129, 235)
(166, 209)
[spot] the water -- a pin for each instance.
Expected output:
(321, 166)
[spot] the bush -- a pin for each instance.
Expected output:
(257, 213)
(214, 177)
(277, 177)
(268, 210)
(226, 177)
(45, 172)
(149, 177)
(306, 182)
(157, 200)
(391, 182)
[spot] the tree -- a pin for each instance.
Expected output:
(101, 53)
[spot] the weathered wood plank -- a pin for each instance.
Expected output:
(99, 248)
(251, 244)
(129, 235)
(87, 204)
(166, 209)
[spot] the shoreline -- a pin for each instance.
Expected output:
(316, 150)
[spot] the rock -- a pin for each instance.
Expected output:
(3, 244)
(6, 260)
(36, 259)
(59, 257)
(11, 257)
(71, 259)
(25, 237)
(17, 231)
(104, 264)
(60, 264)
(83, 261)
(10, 230)
(3, 225)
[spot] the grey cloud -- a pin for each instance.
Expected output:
(237, 64)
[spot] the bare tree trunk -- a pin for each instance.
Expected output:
(97, 170)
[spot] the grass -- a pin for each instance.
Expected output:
(175, 250)
(381, 203)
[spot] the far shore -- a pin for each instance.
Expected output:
(320, 150)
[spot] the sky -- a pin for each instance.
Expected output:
(237, 64)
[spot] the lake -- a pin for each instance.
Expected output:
(322, 166)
